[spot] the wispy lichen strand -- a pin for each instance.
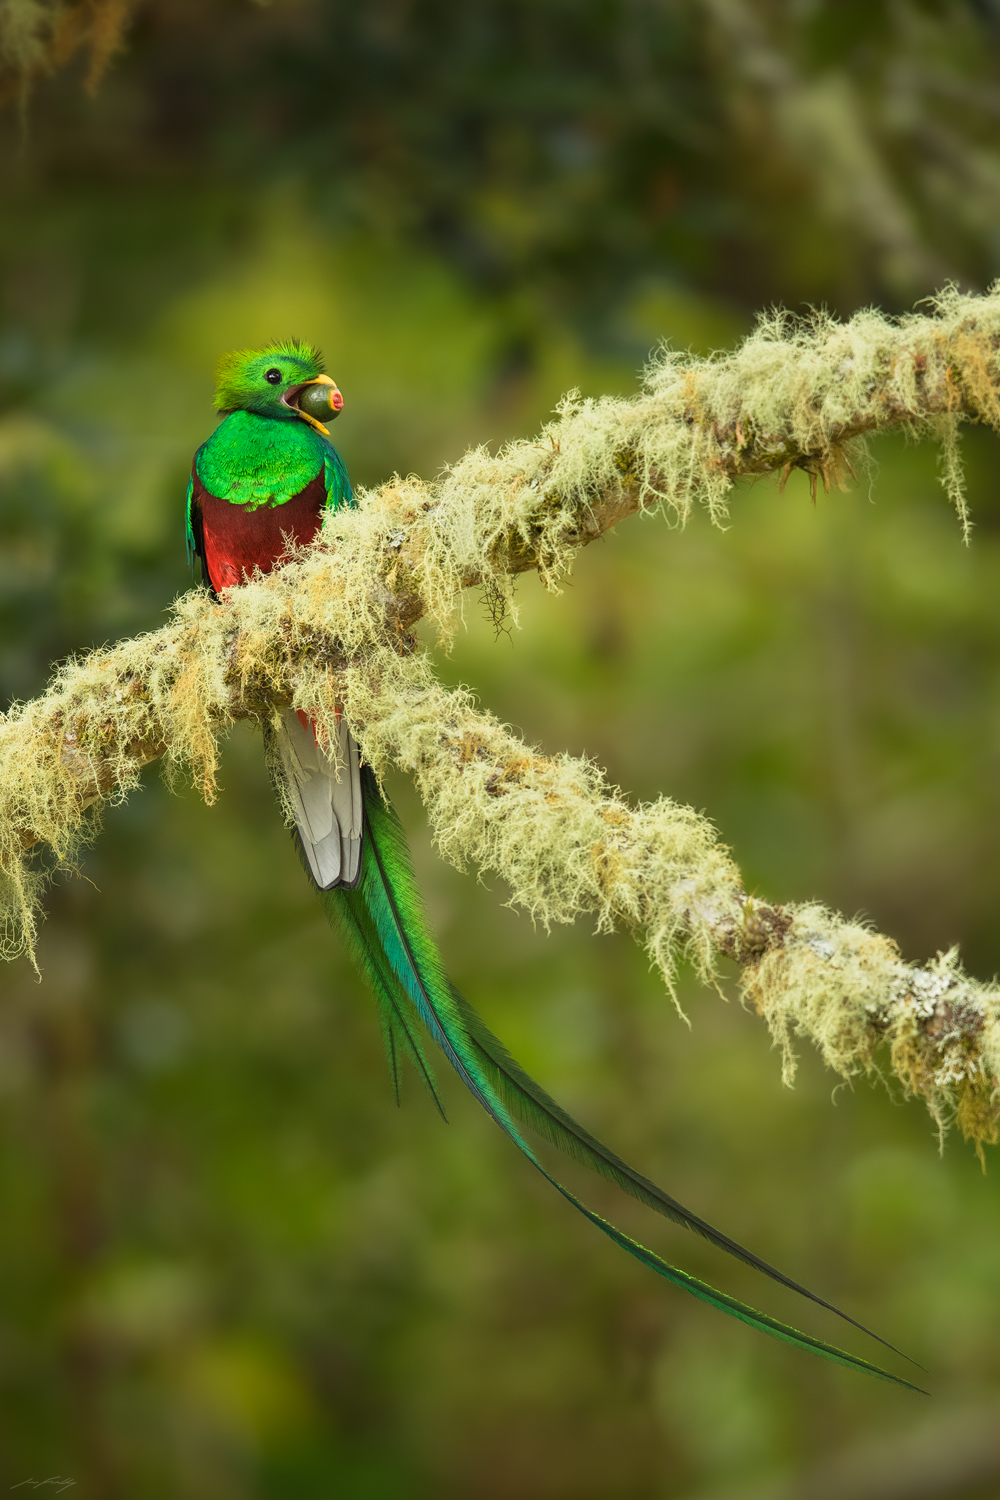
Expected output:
(37, 36)
(331, 628)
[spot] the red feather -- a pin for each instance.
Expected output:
(237, 541)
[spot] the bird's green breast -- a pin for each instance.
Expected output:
(253, 461)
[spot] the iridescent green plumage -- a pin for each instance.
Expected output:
(254, 460)
(384, 923)
(239, 377)
(261, 468)
(263, 453)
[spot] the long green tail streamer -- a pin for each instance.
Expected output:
(384, 923)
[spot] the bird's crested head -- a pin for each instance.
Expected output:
(284, 380)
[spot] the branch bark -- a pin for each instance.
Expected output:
(333, 628)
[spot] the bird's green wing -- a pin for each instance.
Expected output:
(338, 485)
(401, 957)
(188, 521)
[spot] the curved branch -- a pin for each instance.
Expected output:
(333, 627)
(567, 843)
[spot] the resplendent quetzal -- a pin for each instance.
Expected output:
(269, 473)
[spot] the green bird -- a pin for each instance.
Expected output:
(268, 474)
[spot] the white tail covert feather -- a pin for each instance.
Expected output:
(325, 792)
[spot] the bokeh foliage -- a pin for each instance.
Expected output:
(228, 1265)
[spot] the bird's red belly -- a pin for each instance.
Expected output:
(238, 541)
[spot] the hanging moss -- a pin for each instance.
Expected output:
(329, 631)
(39, 35)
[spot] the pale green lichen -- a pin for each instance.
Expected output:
(562, 839)
(846, 989)
(320, 633)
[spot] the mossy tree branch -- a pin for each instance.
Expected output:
(333, 628)
(566, 844)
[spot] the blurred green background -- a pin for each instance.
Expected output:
(229, 1267)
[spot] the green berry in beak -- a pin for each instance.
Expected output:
(322, 402)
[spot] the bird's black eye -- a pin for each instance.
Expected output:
(273, 377)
